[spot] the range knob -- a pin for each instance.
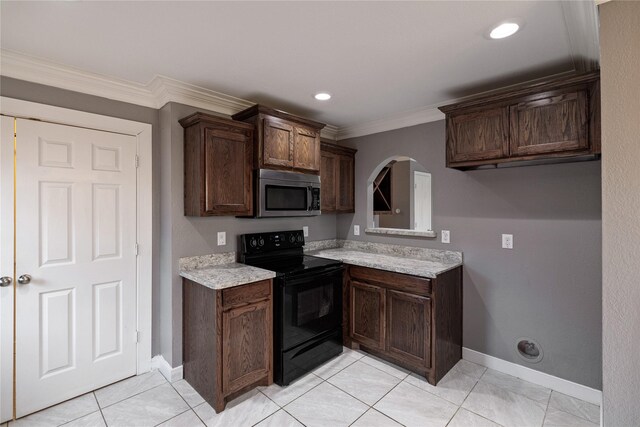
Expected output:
(292, 238)
(253, 242)
(299, 238)
(261, 242)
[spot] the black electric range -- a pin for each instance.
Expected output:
(307, 305)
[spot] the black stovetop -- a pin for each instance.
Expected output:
(281, 252)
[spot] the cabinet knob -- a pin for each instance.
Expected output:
(25, 279)
(5, 281)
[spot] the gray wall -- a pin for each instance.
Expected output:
(548, 287)
(189, 236)
(620, 50)
(33, 92)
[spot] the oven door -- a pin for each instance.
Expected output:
(311, 305)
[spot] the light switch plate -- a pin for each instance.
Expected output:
(305, 231)
(507, 241)
(356, 230)
(445, 236)
(222, 238)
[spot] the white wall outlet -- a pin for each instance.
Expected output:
(305, 231)
(222, 238)
(356, 230)
(507, 241)
(445, 236)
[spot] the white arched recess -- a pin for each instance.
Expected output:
(370, 223)
(142, 131)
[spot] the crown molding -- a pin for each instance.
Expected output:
(581, 21)
(162, 90)
(402, 120)
(158, 92)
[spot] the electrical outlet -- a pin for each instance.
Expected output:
(445, 236)
(507, 241)
(305, 231)
(222, 238)
(356, 230)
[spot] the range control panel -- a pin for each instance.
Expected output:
(266, 242)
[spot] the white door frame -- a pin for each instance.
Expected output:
(142, 131)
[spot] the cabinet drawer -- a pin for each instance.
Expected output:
(401, 282)
(246, 293)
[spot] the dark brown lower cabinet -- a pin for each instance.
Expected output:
(411, 321)
(227, 339)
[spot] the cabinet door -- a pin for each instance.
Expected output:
(344, 184)
(409, 327)
(277, 144)
(481, 135)
(551, 124)
(228, 164)
(367, 314)
(246, 345)
(328, 171)
(306, 149)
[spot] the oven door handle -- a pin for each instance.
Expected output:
(328, 272)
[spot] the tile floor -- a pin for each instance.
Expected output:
(354, 389)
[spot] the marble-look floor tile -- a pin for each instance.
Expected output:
(504, 407)
(131, 386)
(464, 418)
(385, 366)
(577, 407)
(187, 392)
(148, 408)
(558, 418)
(373, 418)
(326, 405)
(246, 410)
(516, 385)
(92, 420)
(280, 419)
(284, 395)
(185, 419)
(334, 366)
(356, 354)
(364, 382)
(61, 413)
(454, 387)
(470, 369)
(413, 407)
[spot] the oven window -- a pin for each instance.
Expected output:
(282, 198)
(313, 304)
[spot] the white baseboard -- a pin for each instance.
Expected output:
(560, 385)
(171, 374)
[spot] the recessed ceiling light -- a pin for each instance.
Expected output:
(504, 30)
(322, 96)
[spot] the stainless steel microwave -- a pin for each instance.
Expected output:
(285, 194)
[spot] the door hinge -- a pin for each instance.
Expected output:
(137, 336)
(137, 161)
(137, 249)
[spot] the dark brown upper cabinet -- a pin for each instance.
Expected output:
(337, 174)
(550, 121)
(218, 158)
(283, 141)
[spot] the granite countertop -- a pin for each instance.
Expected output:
(218, 272)
(429, 268)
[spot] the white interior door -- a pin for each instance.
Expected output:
(422, 200)
(76, 236)
(6, 268)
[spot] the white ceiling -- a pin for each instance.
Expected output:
(378, 59)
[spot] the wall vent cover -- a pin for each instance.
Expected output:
(529, 350)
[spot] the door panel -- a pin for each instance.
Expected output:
(408, 327)
(6, 268)
(328, 176)
(555, 123)
(345, 184)
(277, 143)
(367, 314)
(306, 149)
(481, 135)
(76, 228)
